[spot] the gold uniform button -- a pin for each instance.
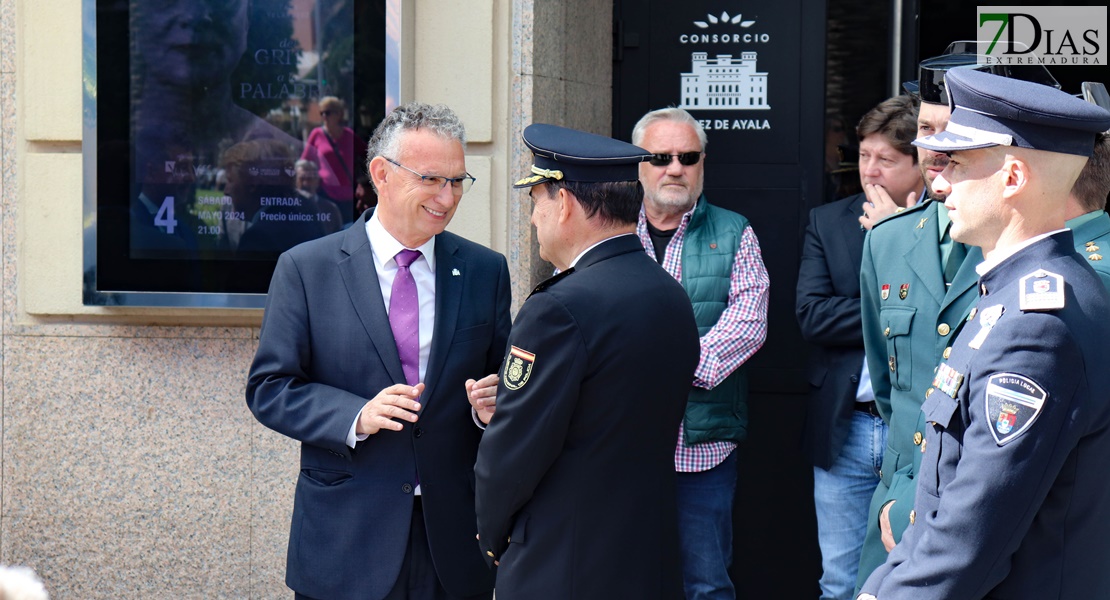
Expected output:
(489, 553)
(971, 315)
(944, 329)
(886, 332)
(913, 516)
(929, 392)
(947, 352)
(890, 362)
(917, 438)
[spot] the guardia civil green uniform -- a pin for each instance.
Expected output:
(910, 317)
(1092, 240)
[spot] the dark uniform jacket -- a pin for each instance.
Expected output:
(575, 473)
(828, 311)
(325, 349)
(1013, 500)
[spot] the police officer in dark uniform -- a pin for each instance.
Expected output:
(575, 475)
(1012, 496)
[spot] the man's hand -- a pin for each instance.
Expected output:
(880, 205)
(483, 396)
(394, 402)
(884, 526)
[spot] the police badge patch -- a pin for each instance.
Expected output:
(518, 367)
(1013, 403)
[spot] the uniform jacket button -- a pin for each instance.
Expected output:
(417, 432)
(944, 329)
(406, 488)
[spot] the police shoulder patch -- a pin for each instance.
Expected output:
(1041, 291)
(518, 368)
(1013, 403)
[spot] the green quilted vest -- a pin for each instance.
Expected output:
(709, 247)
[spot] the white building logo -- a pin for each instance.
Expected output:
(724, 83)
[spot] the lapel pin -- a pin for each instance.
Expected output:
(921, 223)
(455, 273)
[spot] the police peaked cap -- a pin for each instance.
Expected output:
(929, 86)
(562, 154)
(989, 110)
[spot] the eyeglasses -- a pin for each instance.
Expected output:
(459, 185)
(685, 159)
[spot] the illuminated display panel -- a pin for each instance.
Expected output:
(207, 148)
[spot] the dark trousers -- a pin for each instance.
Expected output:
(418, 579)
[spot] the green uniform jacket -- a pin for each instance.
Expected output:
(905, 336)
(1092, 240)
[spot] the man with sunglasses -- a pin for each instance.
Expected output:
(369, 337)
(714, 253)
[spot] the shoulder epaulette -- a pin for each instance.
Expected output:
(550, 281)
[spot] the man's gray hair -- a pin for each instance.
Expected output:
(676, 115)
(414, 115)
(303, 164)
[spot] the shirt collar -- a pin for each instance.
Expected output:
(385, 246)
(996, 258)
(583, 253)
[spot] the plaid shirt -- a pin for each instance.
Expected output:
(738, 333)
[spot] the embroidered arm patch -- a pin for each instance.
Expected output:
(1013, 403)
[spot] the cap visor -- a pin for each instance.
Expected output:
(946, 141)
(531, 180)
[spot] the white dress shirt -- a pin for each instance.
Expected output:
(384, 248)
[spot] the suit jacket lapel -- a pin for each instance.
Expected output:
(360, 277)
(923, 257)
(450, 271)
(964, 281)
(852, 238)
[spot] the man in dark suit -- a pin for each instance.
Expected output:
(575, 475)
(845, 435)
(368, 338)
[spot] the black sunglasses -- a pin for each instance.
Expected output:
(685, 159)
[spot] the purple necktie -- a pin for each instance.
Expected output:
(404, 316)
